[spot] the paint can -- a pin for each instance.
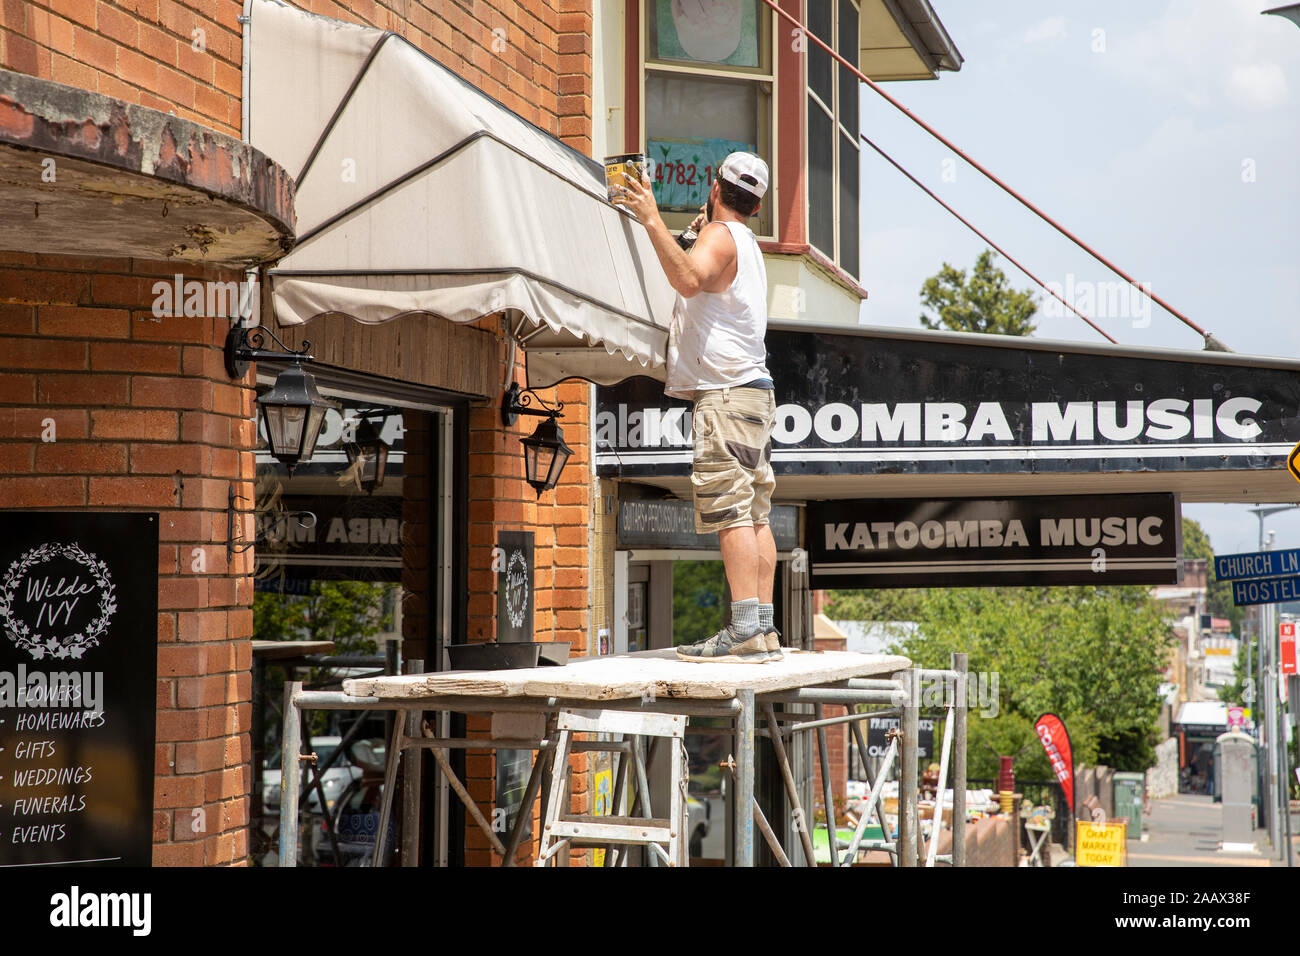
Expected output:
(629, 165)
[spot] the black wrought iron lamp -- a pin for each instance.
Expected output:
(369, 452)
(293, 410)
(236, 544)
(545, 453)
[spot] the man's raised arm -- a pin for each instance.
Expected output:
(709, 258)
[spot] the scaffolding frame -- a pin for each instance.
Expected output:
(901, 693)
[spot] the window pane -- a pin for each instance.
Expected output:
(731, 34)
(692, 123)
(848, 48)
(849, 205)
(821, 179)
(820, 64)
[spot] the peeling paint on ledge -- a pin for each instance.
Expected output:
(249, 196)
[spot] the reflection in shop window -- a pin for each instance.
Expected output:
(699, 592)
(708, 92)
(339, 580)
(698, 610)
(359, 578)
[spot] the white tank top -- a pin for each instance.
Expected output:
(715, 339)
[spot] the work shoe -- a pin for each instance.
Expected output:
(726, 648)
(772, 644)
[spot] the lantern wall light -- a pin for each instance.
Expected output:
(368, 452)
(292, 410)
(545, 453)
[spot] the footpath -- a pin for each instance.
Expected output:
(1185, 831)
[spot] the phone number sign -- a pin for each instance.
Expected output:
(684, 169)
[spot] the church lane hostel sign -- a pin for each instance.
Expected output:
(1261, 577)
(1257, 564)
(78, 674)
(970, 542)
(1265, 590)
(1025, 414)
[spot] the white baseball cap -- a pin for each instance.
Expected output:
(746, 165)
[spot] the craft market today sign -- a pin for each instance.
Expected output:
(968, 542)
(877, 403)
(78, 674)
(1101, 844)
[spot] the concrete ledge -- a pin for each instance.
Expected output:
(86, 174)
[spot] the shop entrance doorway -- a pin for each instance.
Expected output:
(352, 577)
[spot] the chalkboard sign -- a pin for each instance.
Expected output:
(878, 736)
(78, 672)
(515, 601)
(513, 767)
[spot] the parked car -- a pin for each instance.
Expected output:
(698, 813)
(334, 781)
(356, 815)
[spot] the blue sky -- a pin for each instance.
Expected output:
(1164, 134)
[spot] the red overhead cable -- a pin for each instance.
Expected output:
(925, 189)
(1210, 341)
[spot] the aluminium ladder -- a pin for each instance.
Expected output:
(666, 838)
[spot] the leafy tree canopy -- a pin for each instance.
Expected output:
(1093, 655)
(1218, 601)
(982, 302)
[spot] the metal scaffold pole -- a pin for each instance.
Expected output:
(907, 811)
(959, 763)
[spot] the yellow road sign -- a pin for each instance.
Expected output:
(1293, 462)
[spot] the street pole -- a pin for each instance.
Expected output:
(1275, 806)
(1270, 692)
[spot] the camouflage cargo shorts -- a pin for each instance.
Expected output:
(731, 475)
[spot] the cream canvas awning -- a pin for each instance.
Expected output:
(418, 193)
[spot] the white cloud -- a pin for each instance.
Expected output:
(1258, 86)
(1208, 53)
(1052, 28)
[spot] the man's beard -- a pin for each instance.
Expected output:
(708, 210)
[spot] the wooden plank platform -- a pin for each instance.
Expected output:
(659, 673)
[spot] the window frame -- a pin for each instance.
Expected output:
(766, 81)
(813, 100)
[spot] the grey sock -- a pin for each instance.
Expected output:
(744, 617)
(765, 615)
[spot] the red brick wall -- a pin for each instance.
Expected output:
(146, 419)
(144, 51)
(837, 742)
(172, 56)
(536, 58)
(500, 499)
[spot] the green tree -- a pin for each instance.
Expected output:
(984, 302)
(698, 590)
(1218, 598)
(349, 613)
(1092, 655)
(1235, 691)
(889, 604)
